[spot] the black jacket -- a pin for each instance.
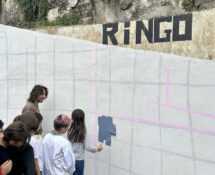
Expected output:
(23, 160)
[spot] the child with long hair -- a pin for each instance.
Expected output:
(58, 157)
(78, 136)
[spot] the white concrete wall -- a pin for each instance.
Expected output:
(163, 105)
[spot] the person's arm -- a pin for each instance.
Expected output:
(37, 166)
(6, 167)
(87, 145)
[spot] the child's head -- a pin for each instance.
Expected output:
(78, 116)
(1, 126)
(62, 123)
(29, 120)
(77, 130)
(16, 134)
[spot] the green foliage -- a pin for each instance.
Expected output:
(27, 8)
(65, 20)
(33, 10)
(35, 15)
(189, 5)
(199, 5)
(43, 10)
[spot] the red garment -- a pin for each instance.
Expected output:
(0, 171)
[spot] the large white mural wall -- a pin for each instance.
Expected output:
(163, 106)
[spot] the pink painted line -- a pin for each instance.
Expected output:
(167, 88)
(162, 124)
(96, 107)
(184, 110)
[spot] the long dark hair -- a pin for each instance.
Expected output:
(77, 131)
(36, 91)
(16, 132)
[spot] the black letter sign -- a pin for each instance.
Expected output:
(140, 26)
(188, 27)
(126, 33)
(110, 33)
(157, 22)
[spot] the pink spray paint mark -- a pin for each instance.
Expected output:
(185, 110)
(171, 125)
(140, 120)
(96, 107)
(177, 109)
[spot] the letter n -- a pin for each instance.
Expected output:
(140, 26)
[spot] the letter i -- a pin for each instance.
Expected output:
(126, 32)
